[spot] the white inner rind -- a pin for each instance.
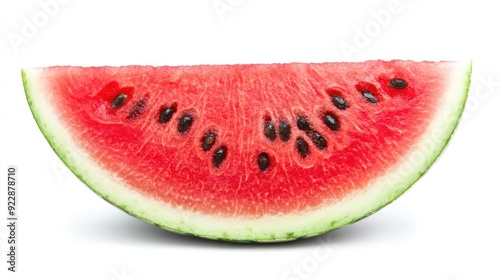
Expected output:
(379, 193)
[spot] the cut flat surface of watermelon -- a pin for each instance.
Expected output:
(262, 152)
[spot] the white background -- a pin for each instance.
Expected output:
(444, 228)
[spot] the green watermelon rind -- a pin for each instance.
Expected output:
(265, 229)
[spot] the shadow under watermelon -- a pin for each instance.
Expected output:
(385, 226)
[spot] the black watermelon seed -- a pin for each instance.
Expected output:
(368, 95)
(284, 131)
(166, 114)
(270, 130)
(137, 109)
(398, 83)
(317, 139)
(185, 123)
(339, 102)
(208, 141)
(302, 147)
(303, 124)
(263, 162)
(119, 100)
(219, 156)
(331, 121)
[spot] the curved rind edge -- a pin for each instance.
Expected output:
(265, 229)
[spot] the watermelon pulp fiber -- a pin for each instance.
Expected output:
(155, 172)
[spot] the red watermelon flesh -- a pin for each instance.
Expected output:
(240, 151)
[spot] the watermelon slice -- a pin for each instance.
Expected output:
(261, 152)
